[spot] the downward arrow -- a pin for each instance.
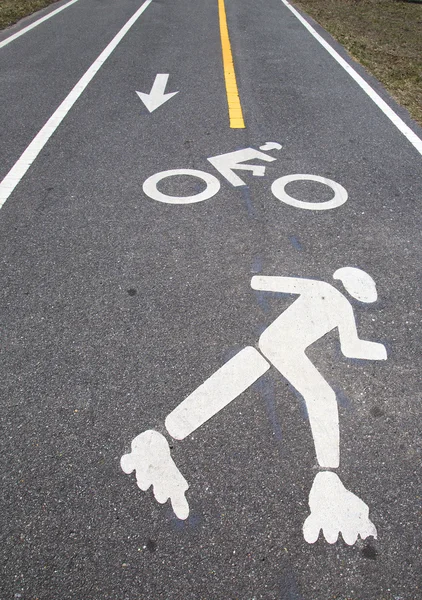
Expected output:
(157, 97)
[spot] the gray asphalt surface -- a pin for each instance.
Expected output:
(115, 307)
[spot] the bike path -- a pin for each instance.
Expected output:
(39, 69)
(116, 307)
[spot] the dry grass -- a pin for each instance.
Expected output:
(385, 36)
(13, 10)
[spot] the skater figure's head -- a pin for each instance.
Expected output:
(359, 284)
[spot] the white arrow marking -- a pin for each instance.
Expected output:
(156, 97)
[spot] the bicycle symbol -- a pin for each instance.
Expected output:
(227, 164)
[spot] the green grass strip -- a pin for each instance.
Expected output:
(13, 10)
(384, 36)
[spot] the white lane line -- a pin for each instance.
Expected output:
(382, 105)
(35, 24)
(30, 154)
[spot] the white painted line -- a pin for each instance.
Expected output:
(25, 161)
(382, 105)
(35, 24)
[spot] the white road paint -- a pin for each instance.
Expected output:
(278, 189)
(336, 510)
(18, 34)
(227, 163)
(319, 309)
(150, 187)
(150, 458)
(218, 391)
(382, 105)
(157, 97)
(359, 284)
(30, 154)
(270, 146)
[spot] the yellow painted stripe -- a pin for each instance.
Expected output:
(233, 100)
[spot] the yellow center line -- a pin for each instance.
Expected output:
(233, 100)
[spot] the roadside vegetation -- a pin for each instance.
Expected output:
(385, 36)
(13, 10)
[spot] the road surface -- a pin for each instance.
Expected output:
(116, 306)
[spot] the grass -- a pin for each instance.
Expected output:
(13, 10)
(385, 36)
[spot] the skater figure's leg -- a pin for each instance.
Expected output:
(226, 384)
(334, 509)
(150, 454)
(320, 399)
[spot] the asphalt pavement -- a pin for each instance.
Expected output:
(115, 307)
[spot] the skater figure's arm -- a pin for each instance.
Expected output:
(351, 345)
(284, 285)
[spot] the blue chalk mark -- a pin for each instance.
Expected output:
(295, 243)
(302, 403)
(265, 388)
(257, 265)
(230, 352)
(343, 400)
(289, 589)
(246, 196)
(192, 522)
(262, 300)
(260, 329)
